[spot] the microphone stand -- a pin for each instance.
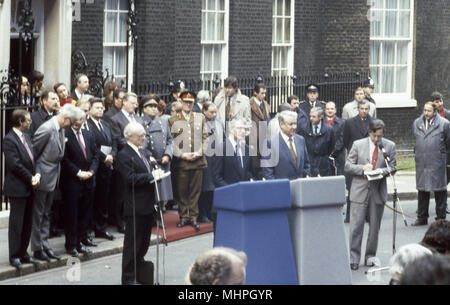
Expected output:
(134, 220)
(395, 199)
(159, 222)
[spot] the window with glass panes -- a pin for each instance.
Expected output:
(282, 37)
(115, 39)
(391, 35)
(214, 39)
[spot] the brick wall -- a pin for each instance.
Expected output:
(432, 71)
(250, 38)
(87, 35)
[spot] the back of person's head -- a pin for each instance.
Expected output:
(218, 266)
(436, 95)
(284, 107)
(437, 237)
(427, 270)
(405, 256)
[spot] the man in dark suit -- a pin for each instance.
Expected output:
(78, 168)
(355, 128)
(338, 127)
(260, 114)
(20, 180)
(368, 197)
(312, 94)
(118, 122)
(139, 200)
(107, 151)
(82, 86)
(49, 108)
(320, 142)
(235, 163)
(284, 155)
(118, 95)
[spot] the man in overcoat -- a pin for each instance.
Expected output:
(432, 134)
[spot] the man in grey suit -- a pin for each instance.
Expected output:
(366, 196)
(49, 144)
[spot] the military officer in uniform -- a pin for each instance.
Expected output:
(189, 148)
(312, 94)
(158, 142)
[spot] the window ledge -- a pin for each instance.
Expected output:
(392, 101)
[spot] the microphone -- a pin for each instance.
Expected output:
(385, 155)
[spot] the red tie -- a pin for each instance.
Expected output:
(27, 148)
(375, 157)
(81, 144)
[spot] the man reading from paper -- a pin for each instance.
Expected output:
(366, 163)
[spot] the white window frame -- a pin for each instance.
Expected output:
(223, 73)
(289, 45)
(119, 44)
(397, 100)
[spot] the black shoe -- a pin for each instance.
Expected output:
(195, 225)
(41, 255)
(30, 260)
(420, 222)
(121, 229)
(72, 252)
(89, 242)
(15, 262)
(354, 266)
(104, 234)
(181, 224)
(52, 254)
(83, 249)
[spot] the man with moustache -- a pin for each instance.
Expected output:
(49, 108)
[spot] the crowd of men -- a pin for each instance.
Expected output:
(72, 165)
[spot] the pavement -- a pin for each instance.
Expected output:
(405, 184)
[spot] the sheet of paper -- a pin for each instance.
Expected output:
(106, 149)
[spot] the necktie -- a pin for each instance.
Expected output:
(27, 148)
(102, 130)
(147, 165)
(228, 110)
(261, 106)
(315, 129)
(291, 148)
(428, 124)
(442, 113)
(375, 157)
(83, 148)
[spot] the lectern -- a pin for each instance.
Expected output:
(317, 231)
(252, 217)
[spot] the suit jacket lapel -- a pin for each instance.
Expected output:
(21, 146)
(284, 148)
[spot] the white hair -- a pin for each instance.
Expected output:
(317, 110)
(284, 115)
(404, 256)
(132, 128)
(71, 112)
(203, 96)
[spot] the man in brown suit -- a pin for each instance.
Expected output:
(260, 113)
(189, 146)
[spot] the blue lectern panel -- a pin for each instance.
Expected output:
(261, 231)
(254, 196)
